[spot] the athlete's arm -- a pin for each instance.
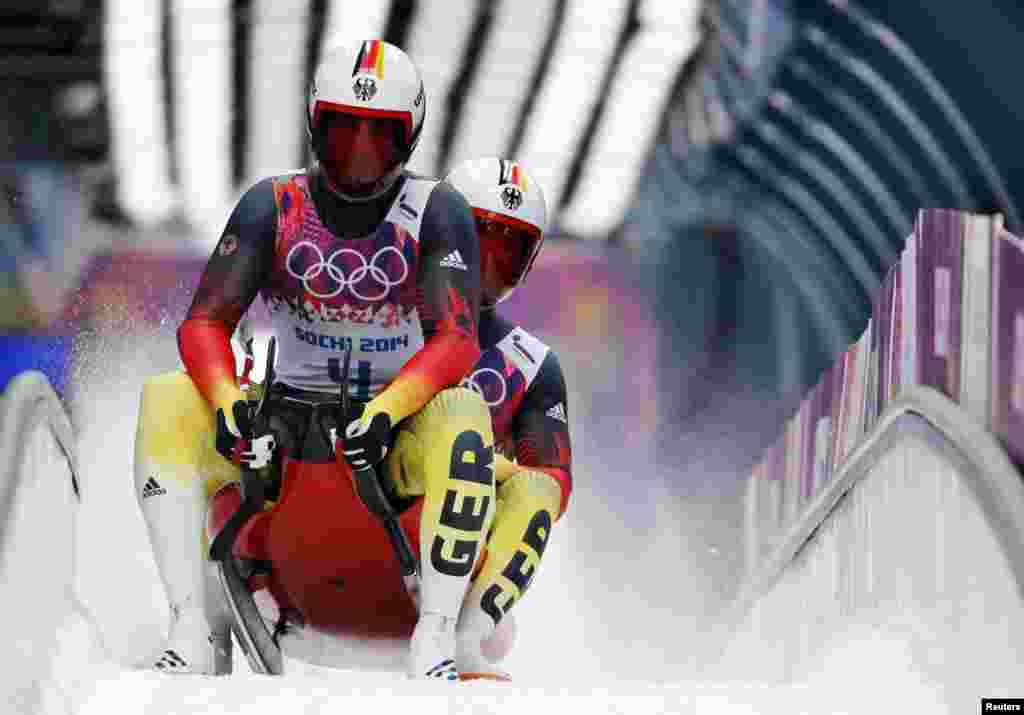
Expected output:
(448, 288)
(230, 282)
(541, 428)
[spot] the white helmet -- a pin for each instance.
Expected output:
(364, 117)
(511, 218)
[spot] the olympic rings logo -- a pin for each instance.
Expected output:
(473, 383)
(337, 274)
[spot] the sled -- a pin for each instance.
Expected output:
(378, 535)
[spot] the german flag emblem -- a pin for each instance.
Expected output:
(370, 59)
(512, 174)
(512, 180)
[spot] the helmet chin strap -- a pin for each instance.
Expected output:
(386, 183)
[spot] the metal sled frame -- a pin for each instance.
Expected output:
(259, 646)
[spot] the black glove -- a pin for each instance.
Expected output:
(243, 448)
(366, 441)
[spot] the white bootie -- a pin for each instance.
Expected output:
(479, 646)
(468, 655)
(432, 648)
(193, 646)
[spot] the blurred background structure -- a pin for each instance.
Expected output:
(730, 180)
(51, 128)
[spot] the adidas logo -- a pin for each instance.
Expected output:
(558, 413)
(170, 660)
(445, 670)
(152, 489)
(453, 260)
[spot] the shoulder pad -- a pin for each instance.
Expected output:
(525, 351)
(408, 208)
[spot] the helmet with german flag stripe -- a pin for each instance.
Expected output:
(511, 217)
(364, 117)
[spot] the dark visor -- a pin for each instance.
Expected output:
(508, 248)
(357, 152)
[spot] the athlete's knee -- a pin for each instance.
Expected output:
(168, 402)
(168, 389)
(454, 433)
(533, 490)
(175, 432)
(172, 378)
(458, 403)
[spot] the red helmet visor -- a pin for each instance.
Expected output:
(357, 152)
(508, 248)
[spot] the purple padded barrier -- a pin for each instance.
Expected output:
(939, 235)
(882, 317)
(1008, 345)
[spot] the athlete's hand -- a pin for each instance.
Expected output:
(366, 440)
(237, 443)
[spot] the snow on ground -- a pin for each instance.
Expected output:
(866, 676)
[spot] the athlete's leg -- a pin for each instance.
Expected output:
(445, 452)
(528, 504)
(176, 469)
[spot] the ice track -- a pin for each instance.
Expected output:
(607, 627)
